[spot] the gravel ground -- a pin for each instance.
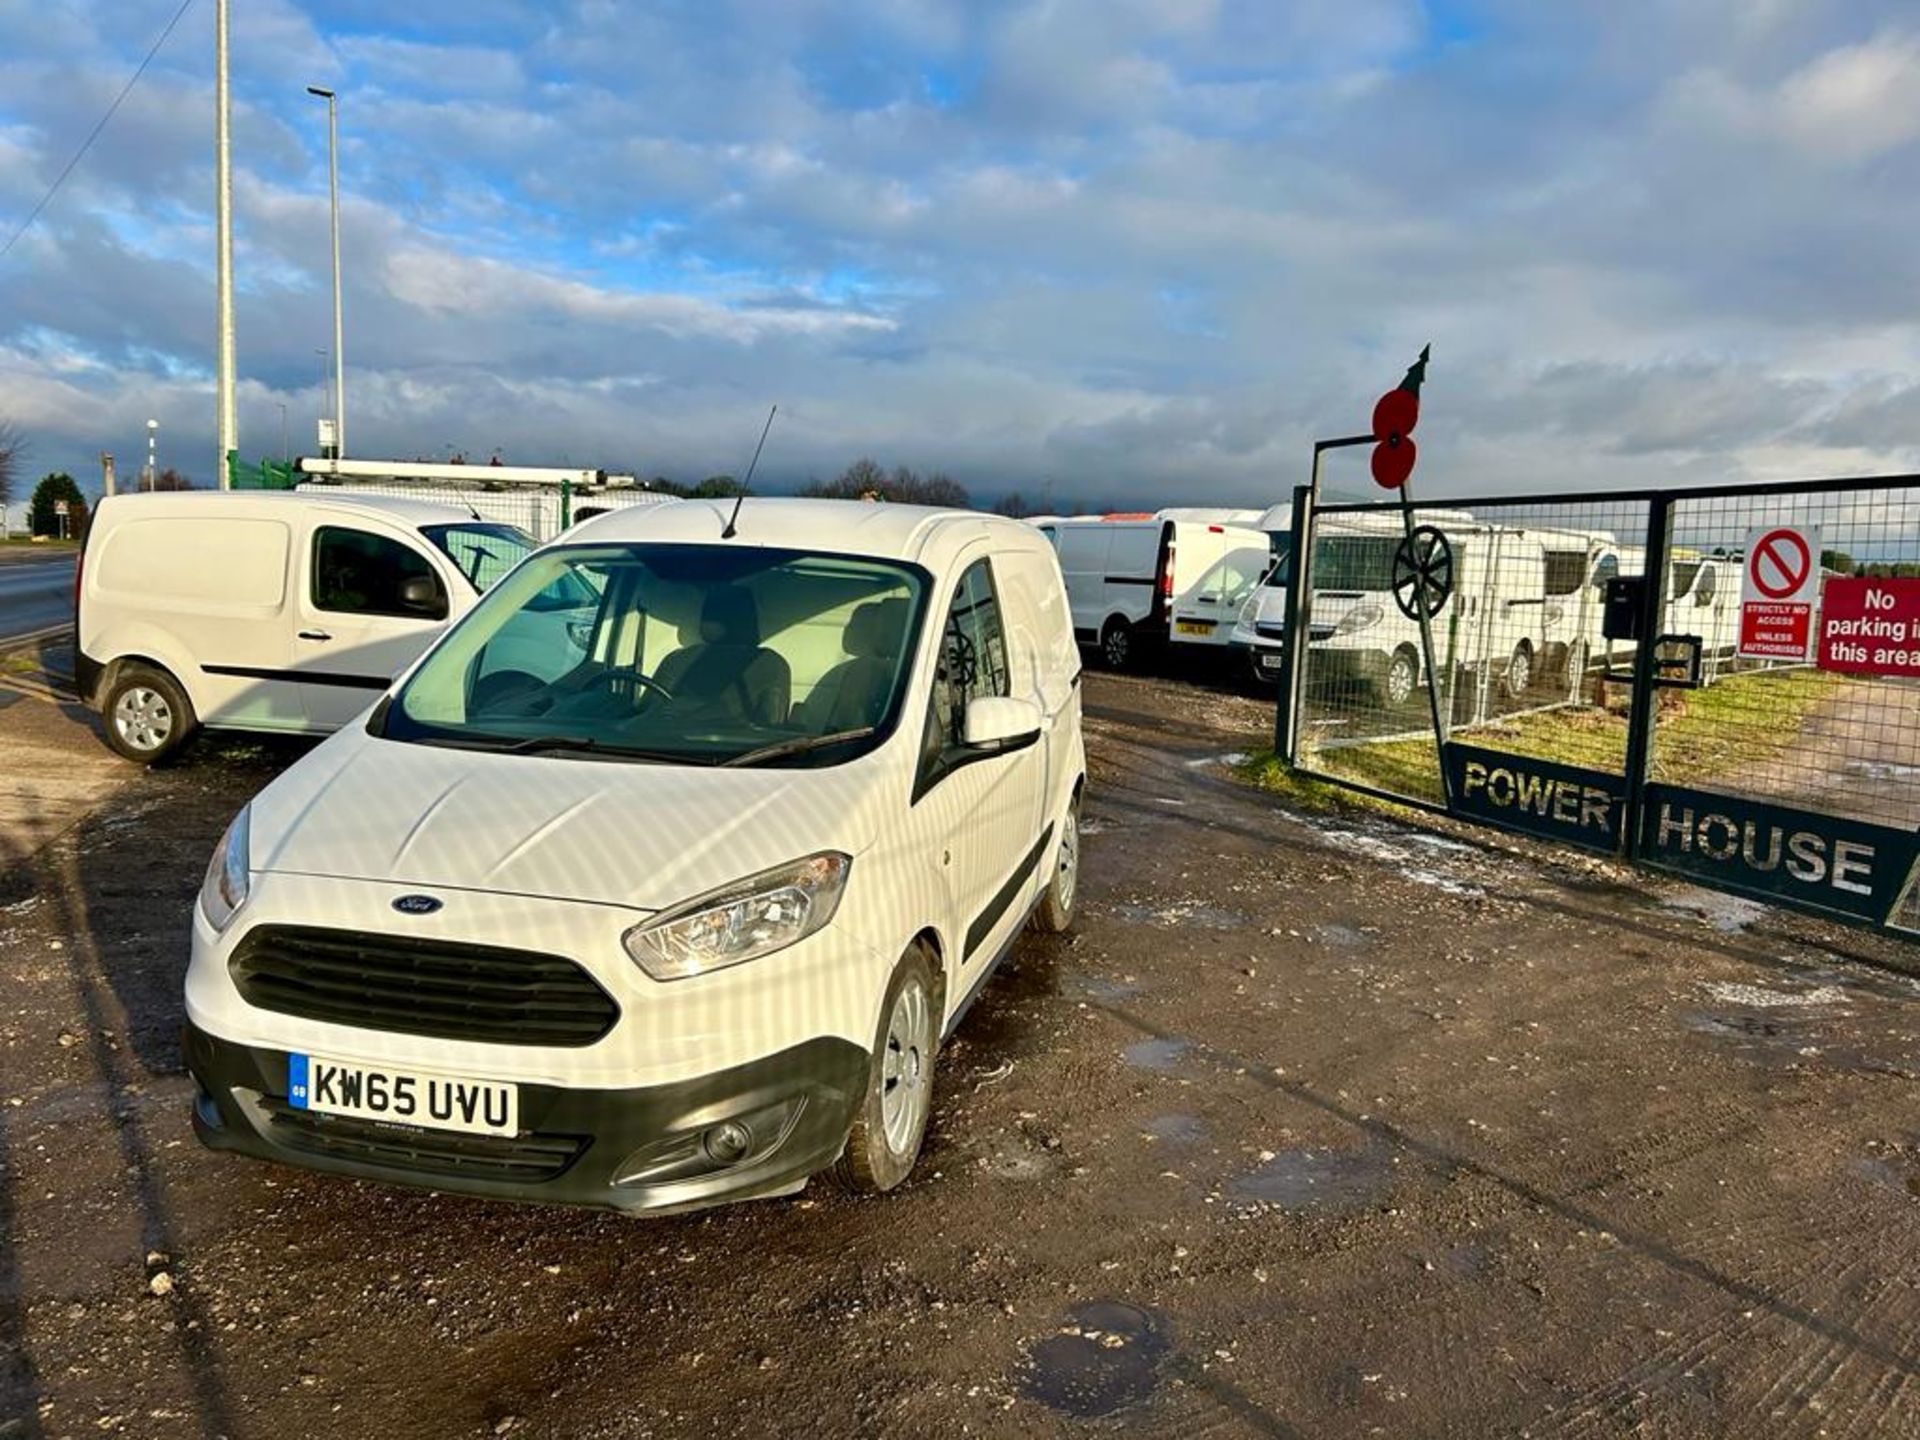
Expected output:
(1318, 1125)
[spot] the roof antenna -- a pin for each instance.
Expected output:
(746, 484)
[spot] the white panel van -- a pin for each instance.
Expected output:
(269, 611)
(1136, 580)
(687, 922)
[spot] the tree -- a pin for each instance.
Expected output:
(1838, 561)
(1014, 504)
(13, 450)
(171, 479)
(863, 479)
(45, 519)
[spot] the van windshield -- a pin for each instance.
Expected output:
(710, 654)
(1354, 562)
(483, 552)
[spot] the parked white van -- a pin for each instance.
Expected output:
(686, 922)
(270, 611)
(1137, 580)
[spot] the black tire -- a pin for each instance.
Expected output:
(1118, 649)
(146, 714)
(1573, 669)
(1518, 680)
(876, 1160)
(1400, 683)
(1054, 914)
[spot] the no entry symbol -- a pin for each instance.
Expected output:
(1780, 564)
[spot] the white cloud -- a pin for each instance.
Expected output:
(1118, 245)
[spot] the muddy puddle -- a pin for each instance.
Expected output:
(1176, 1129)
(1317, 1179)
(1106, 1357)
(1156, 1054)
(1180, 914)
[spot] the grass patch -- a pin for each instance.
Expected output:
(1739, 722)
(1267, 771)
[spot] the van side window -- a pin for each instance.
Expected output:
(973, 663)
(356, 572)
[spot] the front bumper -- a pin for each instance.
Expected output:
(576, 1146)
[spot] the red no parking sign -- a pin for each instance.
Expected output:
(1779, 586)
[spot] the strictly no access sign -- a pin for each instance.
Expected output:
(1779, 586)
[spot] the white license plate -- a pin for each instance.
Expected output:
(1272, 662)
(402, 1097)
(1195, 627)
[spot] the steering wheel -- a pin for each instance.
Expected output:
(610, 679)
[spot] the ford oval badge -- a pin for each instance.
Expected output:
(416, 904)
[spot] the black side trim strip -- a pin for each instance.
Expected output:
(1129, 579)
(985, 921)
(302, 677)
(987, 972)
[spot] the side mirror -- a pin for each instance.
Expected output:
(1001, 720)
(421, 594)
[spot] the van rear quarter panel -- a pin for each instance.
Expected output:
(221, 564)
(191, 591)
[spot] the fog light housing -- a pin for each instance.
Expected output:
(727, 1143)
(708, 1145)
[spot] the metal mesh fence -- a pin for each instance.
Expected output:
(1837, 734)
(1521, 663)
(1777, 722)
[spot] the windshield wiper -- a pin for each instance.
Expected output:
(798, 745)
(574, 744)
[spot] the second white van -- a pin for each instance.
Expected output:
(274, 611)
(1136, 581)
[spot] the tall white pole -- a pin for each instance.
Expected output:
(339, 338)
(223, 223)
(339, 335)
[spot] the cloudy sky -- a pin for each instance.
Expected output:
(1125, 250)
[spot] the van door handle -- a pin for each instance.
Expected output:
(315, 635)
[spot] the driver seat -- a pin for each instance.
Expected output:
(727, 670)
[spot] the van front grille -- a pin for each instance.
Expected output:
(525, 1158)
(438, 988)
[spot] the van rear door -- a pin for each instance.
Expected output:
(1214, 570)
(370, 600)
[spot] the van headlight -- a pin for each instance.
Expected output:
(742, 921)
(224, 890)
(1360, 617)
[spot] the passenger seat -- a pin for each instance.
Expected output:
(853, 693)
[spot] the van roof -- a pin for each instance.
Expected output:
(895, 532)
(203, 503)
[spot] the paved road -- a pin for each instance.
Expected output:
(35, 594)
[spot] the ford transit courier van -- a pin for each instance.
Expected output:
(287, 612)
(681, 915)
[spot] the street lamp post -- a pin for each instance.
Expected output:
(223, 245)
(333, 189)
(153, 472)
